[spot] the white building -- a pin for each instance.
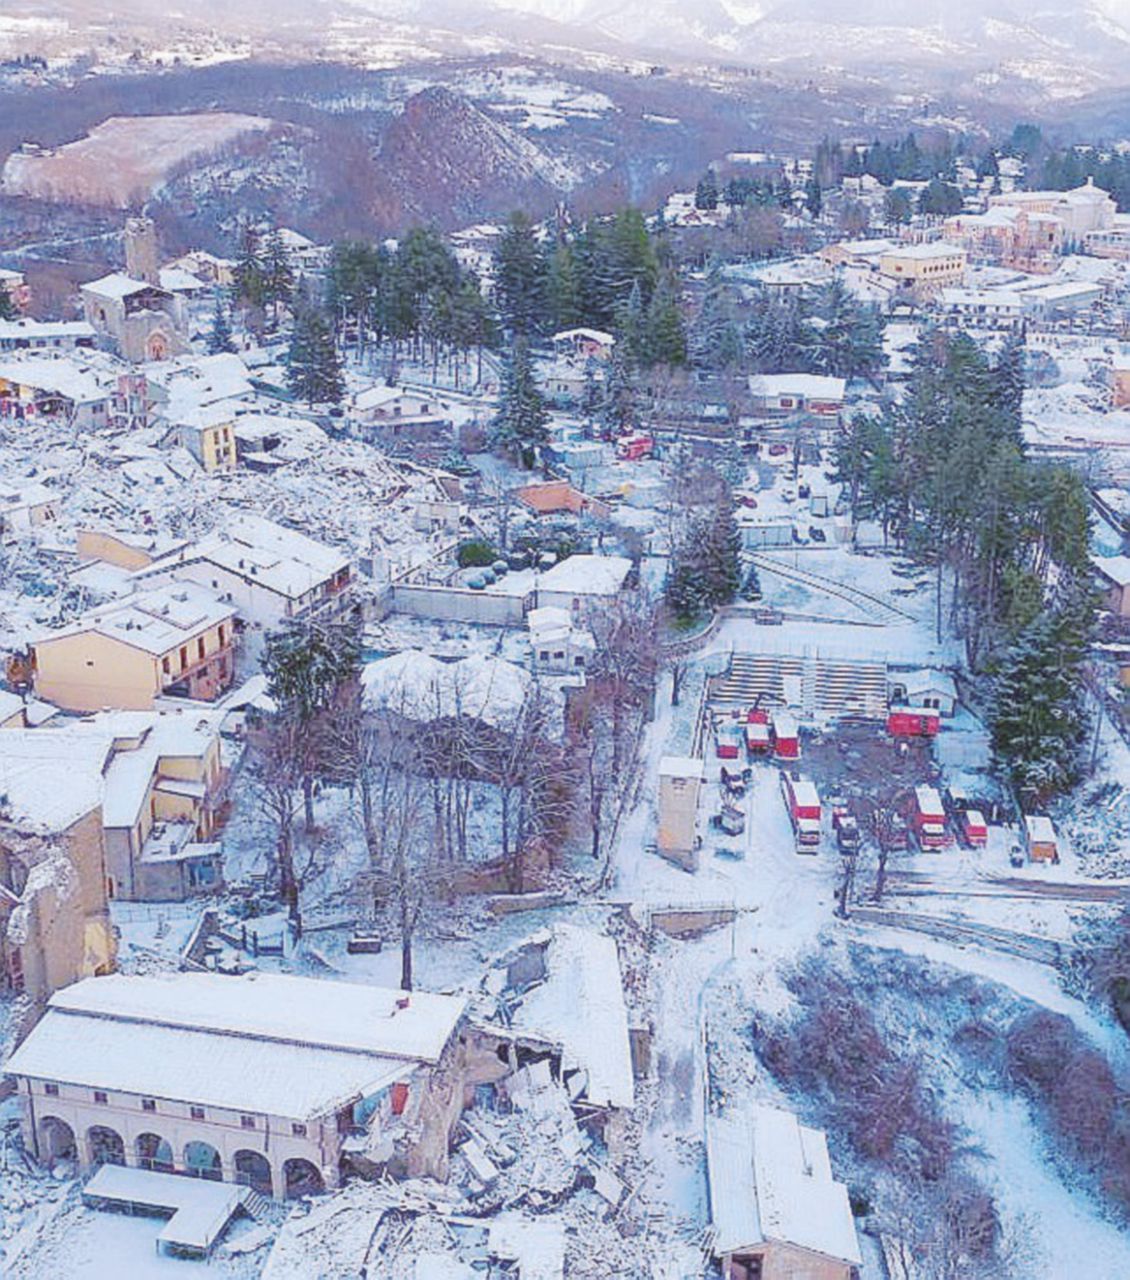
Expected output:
(774, 1204)
(263, 1079)
(268, 572)
(45, 335)
(557, 646)
(580, 582)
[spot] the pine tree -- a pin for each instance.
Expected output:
(618, 412)
(313, 367)
(716, 340)
(1038, 721)
(220, 336)
(563, 287)
(591, 395)
(664, 337)
(1008, 380)
(278, 278)
(249, 281)
(630, 327)
(706, 193)
(519, 426)
(7, 306)
(813, 197)
(520, 277)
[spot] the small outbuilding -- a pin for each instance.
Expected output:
(775, 1208)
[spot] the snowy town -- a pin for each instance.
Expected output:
(576, 746)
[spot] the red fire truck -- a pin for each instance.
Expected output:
(802, 801)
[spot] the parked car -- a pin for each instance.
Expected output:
(817, 534)
(847, 835)
(778, 450)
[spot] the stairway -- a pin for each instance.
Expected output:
(257, 1206)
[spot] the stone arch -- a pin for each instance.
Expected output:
(202, 1160)
(56, 1140)
(301, 1178)
(154, 1153)
(106, 1145)
(157, 348)
(254, 1170)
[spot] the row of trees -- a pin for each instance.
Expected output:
(829, 332)
(946, 475)
(417, 762)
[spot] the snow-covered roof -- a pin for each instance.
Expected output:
(581, 1005)
(183, 734)
(25, 327)
(811, 385)
(926, 680)
(593, 335)
(55, 374)
(587, 575)
(279, 559)
(770, 1179)
(1040, 828)
(680, 767)
(52, 777)
(1116, 568)
(420, 687)
(154, 621)
(262, 1043)
(177, 280)
(116, 285)
(927, 252)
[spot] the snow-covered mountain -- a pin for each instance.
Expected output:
(1053, 47)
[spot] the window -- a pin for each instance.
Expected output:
(247, 1122)
(148, 1104)
(184, 656)
(298, 1130)
(223, 635)
(197, 1113)
(166, 666)
(200, 647)
(51, 1090)
(100, 1096)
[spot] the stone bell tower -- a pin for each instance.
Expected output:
(141, 250)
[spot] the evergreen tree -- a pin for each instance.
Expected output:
(249, 281)
(313, 367)
(563, 287)
(664, 337)
(1008, 380)
(813, 197)
(591, 396)
(897, 207)
(7, 306)
(1039, 720)
(630, 327)
(220, 336)
(278, 278)
(940, 199)
(618, 413)
(520, 277)
(706, 193)
(519, 426)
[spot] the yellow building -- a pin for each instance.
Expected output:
(165, 794)
(122, 548)
(176, 640)
(54, 916)
(680, 781)
(208, 433)
(919, 271)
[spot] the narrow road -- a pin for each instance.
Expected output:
(1022, 945)
(862, 600)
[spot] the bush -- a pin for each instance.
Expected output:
(476, 554)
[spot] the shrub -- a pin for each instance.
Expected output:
(476, 554)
